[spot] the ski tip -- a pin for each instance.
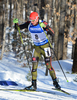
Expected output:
(67, 81)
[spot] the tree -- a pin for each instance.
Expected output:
(1, 17)
(55, 27)
(3, 21)
(74, 68)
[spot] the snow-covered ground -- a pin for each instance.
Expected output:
(11, 70)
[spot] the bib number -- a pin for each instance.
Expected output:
(47, 52)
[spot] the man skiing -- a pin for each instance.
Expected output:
(38, 32)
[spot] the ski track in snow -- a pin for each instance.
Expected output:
(10, 69)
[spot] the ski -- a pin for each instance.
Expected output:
(61, 90)
(20, 90)
(24, 90)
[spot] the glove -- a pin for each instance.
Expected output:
(15, 20)
(42, 25)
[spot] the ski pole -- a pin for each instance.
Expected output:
(60, 66)
(43, 25)
(19, 33)
(59, 63)
(57, 59)
(16, 21)
(24, 47)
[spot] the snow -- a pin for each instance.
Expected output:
(11, 70)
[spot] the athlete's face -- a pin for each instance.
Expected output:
(34, 22)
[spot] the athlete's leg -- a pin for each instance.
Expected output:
(50, 68)
(47, 54)
(35, 59)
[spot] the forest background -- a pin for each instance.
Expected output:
(61, 15)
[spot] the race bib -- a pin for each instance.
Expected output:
(38, 36)
(47, 52)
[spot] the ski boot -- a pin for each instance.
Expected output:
(56, 85)
(32, 87)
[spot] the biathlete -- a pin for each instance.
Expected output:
(42, 47)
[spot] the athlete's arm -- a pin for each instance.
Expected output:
(48, 29)
(24, 25)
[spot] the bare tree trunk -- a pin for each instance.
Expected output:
(61, 30)
(26, 12)
(3, 34)
(1, 12)
(10, 13)
(41, 9)
(10, 17)
(74, 67)
(66, 30)
(55, 27)
(15, 31)
(21, 11)
(6, 13)
(48, 9)
(73, 16)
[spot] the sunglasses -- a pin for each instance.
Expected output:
(32, 20)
